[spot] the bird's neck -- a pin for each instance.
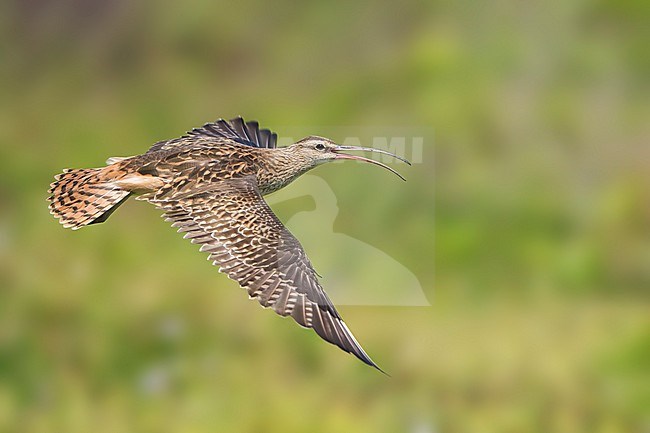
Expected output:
(279, 168)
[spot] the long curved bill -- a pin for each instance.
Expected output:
(371, 161)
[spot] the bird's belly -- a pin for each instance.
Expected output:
(138, 183)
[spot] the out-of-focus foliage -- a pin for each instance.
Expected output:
(526, 222)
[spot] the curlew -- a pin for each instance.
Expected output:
(210, 185)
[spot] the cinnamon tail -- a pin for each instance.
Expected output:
(85, 196)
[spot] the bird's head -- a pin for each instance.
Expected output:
(314, 150)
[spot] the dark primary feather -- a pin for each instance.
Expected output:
(246, 133)
(233, 223)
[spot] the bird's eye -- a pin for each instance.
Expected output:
(320, 146)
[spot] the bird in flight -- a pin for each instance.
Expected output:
(210, 185)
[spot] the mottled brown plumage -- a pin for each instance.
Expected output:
(209, 184)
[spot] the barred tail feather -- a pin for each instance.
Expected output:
(84, 196)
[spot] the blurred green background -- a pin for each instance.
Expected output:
(526, 223)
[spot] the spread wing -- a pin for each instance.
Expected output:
(234, 224)
(238, 130)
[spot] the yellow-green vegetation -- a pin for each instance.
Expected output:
(525, 222)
